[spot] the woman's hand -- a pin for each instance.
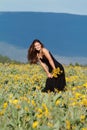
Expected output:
(49, 75)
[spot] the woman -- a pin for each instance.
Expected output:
(54, 70)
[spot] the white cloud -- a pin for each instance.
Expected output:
(13, 52)
(60, 6)
(20, 54)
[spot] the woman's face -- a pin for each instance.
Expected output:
(37, 46)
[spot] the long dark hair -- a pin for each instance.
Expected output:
(32, 52)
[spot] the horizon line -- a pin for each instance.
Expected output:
(1, 12)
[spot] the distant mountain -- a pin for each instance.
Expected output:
(63, 34)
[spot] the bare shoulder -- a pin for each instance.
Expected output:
(45, 51)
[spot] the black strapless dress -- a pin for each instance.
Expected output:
(58, 83)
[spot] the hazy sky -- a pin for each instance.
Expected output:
(60, 6)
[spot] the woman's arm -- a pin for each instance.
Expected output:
(46, 69)
(46, 53)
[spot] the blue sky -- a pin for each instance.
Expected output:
(59, 6)
(78, 7)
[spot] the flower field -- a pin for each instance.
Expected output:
(24, 107)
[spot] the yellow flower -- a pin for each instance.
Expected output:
(39, 115)
(77, 95)
(45, 109)
(46, 112)
(74, 88)
(15, 101)
(82, 118)
(38, 87)
(85, 84)
(40, 110)
(73, 104)
(33, 103)
(26, 109)
(84, 102)
(84, 128)
(56, 72)
(44, 106)
(50, 124)
(35, 124)
(67, 125)
(2, 112)
(5, 105)
(57, 102)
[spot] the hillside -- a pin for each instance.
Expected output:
(5, 59)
